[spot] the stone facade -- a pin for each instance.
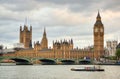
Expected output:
(63, 45)
(50, 53)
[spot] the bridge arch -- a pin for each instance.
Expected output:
(85, 62)
(67, 62)
(20, 61)
(47, 61)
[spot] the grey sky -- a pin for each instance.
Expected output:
(63, 19)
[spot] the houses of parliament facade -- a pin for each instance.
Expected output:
(62, 48)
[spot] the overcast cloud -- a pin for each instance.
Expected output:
(63, 19)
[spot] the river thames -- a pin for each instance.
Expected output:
(56, 72)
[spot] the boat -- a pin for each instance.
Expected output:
(7, 63)
(87, 69)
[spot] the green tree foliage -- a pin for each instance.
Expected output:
(118, 53)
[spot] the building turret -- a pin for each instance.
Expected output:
(71, 41)
(20, 28)
(44, 42)
(26, 28)
(71, 44)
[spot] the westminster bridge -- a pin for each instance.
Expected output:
(37, 60)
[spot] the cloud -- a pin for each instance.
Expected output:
(21, 5)
(85, 5)
(112, 5)
(65, 2)
(111, 21)
(62, 19)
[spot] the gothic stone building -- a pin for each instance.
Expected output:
(61, 49)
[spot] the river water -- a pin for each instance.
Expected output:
(56, 72)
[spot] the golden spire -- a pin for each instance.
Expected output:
(98, 16)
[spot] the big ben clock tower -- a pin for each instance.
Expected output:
(98, 37)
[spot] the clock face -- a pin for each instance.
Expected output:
(101, 30)
(96, 29)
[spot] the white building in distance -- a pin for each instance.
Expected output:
(111, 47)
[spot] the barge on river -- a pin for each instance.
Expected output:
(87, 69)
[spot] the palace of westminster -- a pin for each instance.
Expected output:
(61, 49)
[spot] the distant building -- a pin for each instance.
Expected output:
(111, 47)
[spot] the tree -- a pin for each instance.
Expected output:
(118, 53)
